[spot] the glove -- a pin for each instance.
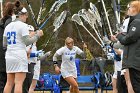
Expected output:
(44, 56)
(47, 53)
(40, 53)
(110, 56)
(106, 40)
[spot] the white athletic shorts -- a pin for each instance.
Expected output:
(66, 73)
(123, 71)
(115, 75)
(36, 70)
(16, 61)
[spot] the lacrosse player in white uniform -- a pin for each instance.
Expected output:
(68, 67)
(34, 59)
(15, 38)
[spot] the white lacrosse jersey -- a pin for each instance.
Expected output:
(16, 55)
(68, 57)
(33, 50)
(14, 33)
(125, 25)
(118, 64)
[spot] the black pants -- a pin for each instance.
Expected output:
(3, 79)
(121, 83)
(28, 80)
(135, 79)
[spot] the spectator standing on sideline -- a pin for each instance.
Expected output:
(131, 42)
(8, 16)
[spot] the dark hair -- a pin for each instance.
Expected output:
(18, 7)
(8, 9)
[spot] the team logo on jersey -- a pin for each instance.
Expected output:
(133, 28)
(71, 58)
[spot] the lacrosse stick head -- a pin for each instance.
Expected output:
(59, 20)
(92, 6)
(64, 1)
(77, 19)
(82, 13)
(95, 12)
(95, 17)
(55, 7)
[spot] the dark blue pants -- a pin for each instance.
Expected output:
(3, 79)
(135, 79)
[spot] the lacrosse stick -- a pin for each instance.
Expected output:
(107, 17)
(96, 20)
(57, 23)
(53, 9)
(116, 11)
(119, 8)
(93, 24)
(95, 13)
(77, 19)
(40, 11)
(57, 5)
(79, 32)
(33, 15)
(1, 1)
(82, 13)
(116, 15)
(91, 20)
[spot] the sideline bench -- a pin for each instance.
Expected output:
(85, 83)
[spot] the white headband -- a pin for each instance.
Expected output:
(24, 10)
(31, 28)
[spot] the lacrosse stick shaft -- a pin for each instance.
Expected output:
(98, 31)
(44, 23)
(79, 32)
(116, 11)
(33, 15)
(107, 17)
(39, 15)
(119, 11)
(40, 11)
(49, 40)
(104, 28)
(92, 36)
(98, 35)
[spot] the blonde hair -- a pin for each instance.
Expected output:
(135, 4)
(68, 39)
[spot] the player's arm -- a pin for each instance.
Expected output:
(29, 40)
(55, 63)
(55, 59)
